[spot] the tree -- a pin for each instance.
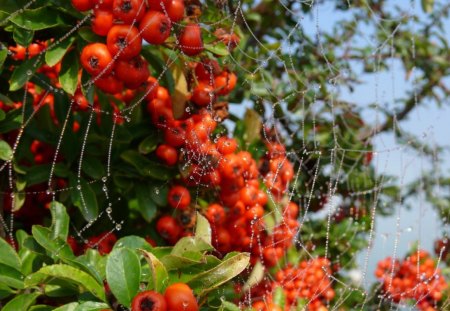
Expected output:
(126, 167)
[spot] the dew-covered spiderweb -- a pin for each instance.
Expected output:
(345, 86)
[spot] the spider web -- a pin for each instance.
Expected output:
(394, 162)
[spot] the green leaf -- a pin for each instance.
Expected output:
(22, 36)
(203, 229)
(68, 273)
(133, 242)
(213, 278)
(93, 263)
(149, 144)
(41, 308)
(85, 199)
(60, 223)
(68, 76)
(278, 297)
(92, 306)
(89, 36)
(159, 277)
(40, 173)
(11, 277)
(158, 193)
(427, 5)
(255, 277)
(146, 167)
(9, 256)
(93, 167)
(57, 52)
(146, 205)
(6, 152)
(23, 73)
(228, 306)
(55, 246)
(37, 19)
(21, 302)
(68, 307)
(219, 48)
(5, 291)
(253, 126)
(3, 55)
(180, 93)
(123, 273)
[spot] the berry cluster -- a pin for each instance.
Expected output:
(416, 277)
(239, 204)
(177, 297)
(309, 282)
(125, 23)
(40, 97)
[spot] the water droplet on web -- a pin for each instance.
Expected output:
(12, 195)
(156, 191)
(188, 109)
(109, 210)
(118, 227)
(409, 229)
(29, 72)
(104, 188)
(104, 179)
(79, 187)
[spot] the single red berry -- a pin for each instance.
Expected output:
(133, 72)
(168, 154)
(124, 41)
(95, 58)
(129, 10)
(179, 297)
(155, 27)
(149, 301)
(191, 42)
(179, 197)
(102, 21)
(83, 5)
(169, 228)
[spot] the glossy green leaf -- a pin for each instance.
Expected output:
(213, 278)
(133, 242)
(9, 256)
(21, 302)
(203, 229)
(123, 273)
(147, 167)
(57, 52)
(41, 308)
(218, 48)
(159, 277)
(88, 35)
(68, 273)
(5, 291)
(61, 221)
(92, 306)
(93, 167)
(11, 277)
(68, 307)
(146, 205)
(84, 197)
(22, 36)
(3, 55)
(149, 144)
(54, 246)
(6, 151)
(38, 19)
(23, 73)
(68, 76)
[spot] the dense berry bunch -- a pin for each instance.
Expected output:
(307, 284)
(239, 201)
(416, 277)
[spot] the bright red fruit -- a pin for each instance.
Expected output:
(155, 27)
(191, 42)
